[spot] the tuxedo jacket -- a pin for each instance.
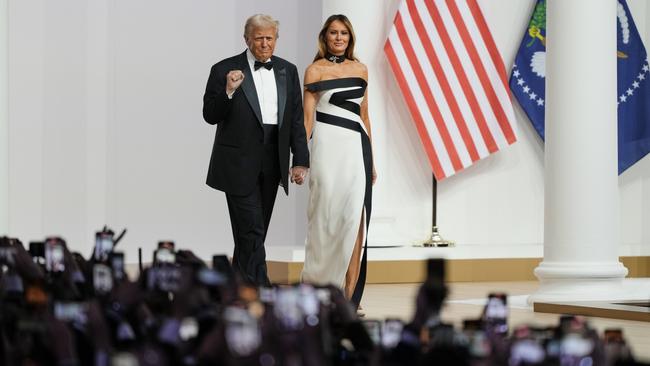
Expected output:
(238, 147)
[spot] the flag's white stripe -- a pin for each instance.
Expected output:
(435, 88)
(473, 73)
(472, 76)
(409, 75)
(486, 59)
(454, 83)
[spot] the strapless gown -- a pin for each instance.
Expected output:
(340, 183)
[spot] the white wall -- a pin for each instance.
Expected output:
(105, 126)
(4, 118)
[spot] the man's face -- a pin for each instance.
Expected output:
(261, 42)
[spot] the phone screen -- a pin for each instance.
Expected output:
(70, 311)
(374, 330)
(54, 256)
(7, 256)
(117, 265)
(37, 251)
(496, 314)
(391, 333)
(103, 245)
(496, 307)
(526, 352)
(164, 255)
(102, 278)
(243, 334)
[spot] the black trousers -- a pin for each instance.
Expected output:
(250, 216)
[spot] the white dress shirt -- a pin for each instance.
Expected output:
(266, 90)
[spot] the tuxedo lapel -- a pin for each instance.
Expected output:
(248, 86)
(281, 85)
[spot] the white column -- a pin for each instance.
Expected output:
(581, 232)
(4, 118)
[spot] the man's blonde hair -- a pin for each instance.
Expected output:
(261, 21)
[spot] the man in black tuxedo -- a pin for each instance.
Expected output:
(255, 99)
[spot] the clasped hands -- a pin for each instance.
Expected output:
(298, 174)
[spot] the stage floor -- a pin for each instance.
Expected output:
(466, 301)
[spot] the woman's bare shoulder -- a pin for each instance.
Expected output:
(313, 72)
(359, 65)
(359, 69)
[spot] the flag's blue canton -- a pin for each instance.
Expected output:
(528, 72)
(528, 77)
(633, 92)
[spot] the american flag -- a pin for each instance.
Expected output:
(454, 81)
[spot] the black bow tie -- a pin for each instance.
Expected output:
(267, 65)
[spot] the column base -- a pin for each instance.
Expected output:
(570, 281)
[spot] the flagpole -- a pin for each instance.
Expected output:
(436, 240)
(434, 200)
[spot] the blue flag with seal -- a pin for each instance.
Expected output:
(528, 77)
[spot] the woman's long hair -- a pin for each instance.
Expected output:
(322, 37)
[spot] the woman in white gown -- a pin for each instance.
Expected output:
(342, 169)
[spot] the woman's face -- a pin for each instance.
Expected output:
(337, 38)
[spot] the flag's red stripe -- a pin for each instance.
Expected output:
(444, 83)
(428, 96)
(480, 70)
(415, 112)
(462, 77)
(488, 40)
(494, 54)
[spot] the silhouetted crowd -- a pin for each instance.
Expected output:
(59, 308)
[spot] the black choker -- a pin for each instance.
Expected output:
(334, 58)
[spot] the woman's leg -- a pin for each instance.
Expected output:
(354, 267)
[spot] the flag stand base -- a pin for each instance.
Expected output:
(437, 241)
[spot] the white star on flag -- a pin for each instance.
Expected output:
(623, 98)
(540, 102)
(635, 84)
(520, 81)
(629, 91)
(533, 96)
(526, 89)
